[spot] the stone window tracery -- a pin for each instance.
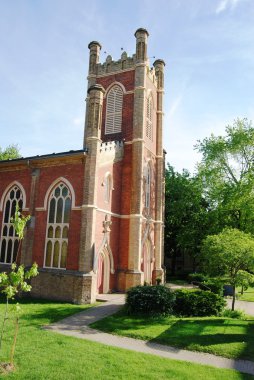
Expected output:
(9, 240)
(114, 110)
(56, 245)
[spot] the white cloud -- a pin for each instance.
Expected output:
(226, 4)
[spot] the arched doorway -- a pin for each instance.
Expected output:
(147, 262)
(103, 273)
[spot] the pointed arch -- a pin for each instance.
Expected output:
(53, 185)
(59, 201)
(9, 243)
(148, 257)
(12, 184)
(105, 267)
(147, 235)
(115, 83)
(104, 246)
(147, 261)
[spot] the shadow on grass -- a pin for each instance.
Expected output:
(205, 335)
(49, 315)
(55, 311)
(248, 351)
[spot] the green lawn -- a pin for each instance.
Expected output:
(45, 355)
(248, 294)
(220, 336)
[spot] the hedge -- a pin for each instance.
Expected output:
(198, 303)
(150, 300)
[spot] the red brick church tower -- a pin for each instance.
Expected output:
(97, 213)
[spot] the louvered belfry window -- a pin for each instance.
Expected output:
(114, 110)
(9, 240)
(149, 124)
(58, 227)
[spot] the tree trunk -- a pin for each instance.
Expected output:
(4, 321)
(233, 300)
(14, 340)
(242, 290)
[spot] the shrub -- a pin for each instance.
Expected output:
(236, 314)
(214, 285)
(197, 277)
(151, 300)
(198, 303)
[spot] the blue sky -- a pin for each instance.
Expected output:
(207, 46)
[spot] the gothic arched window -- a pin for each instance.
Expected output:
(148, 187)
(9, 240)
(114, 110)
(59, 210)
(149, 123)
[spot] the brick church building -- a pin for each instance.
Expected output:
(96, 213)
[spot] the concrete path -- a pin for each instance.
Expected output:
(176, 286)
(77, 326)
(247, 307)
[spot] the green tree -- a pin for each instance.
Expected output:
(228, 253)
(227, 172)
(9, 153)
(15, 280)
(186, 215)
(244, 280)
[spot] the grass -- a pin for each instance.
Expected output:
(45, 355)
(226, 337)
(248, 294)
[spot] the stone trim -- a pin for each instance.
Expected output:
(113, 73)
(93, 138)
(130, 216)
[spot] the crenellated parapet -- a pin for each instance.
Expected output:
(140, 58)
(111, 66)
(111, 151)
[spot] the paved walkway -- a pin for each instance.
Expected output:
(77, 326)
(247, 307)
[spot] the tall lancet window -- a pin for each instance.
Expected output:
(149, 123)
(9, 241)
(148, 187)
(114, 110)
(58, 227)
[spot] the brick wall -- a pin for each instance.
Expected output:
(73, 172)
(127, 80)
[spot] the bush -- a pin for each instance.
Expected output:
(197, 277)
(198, 303)
(150, 300)
(214, 285)
(236, 314)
